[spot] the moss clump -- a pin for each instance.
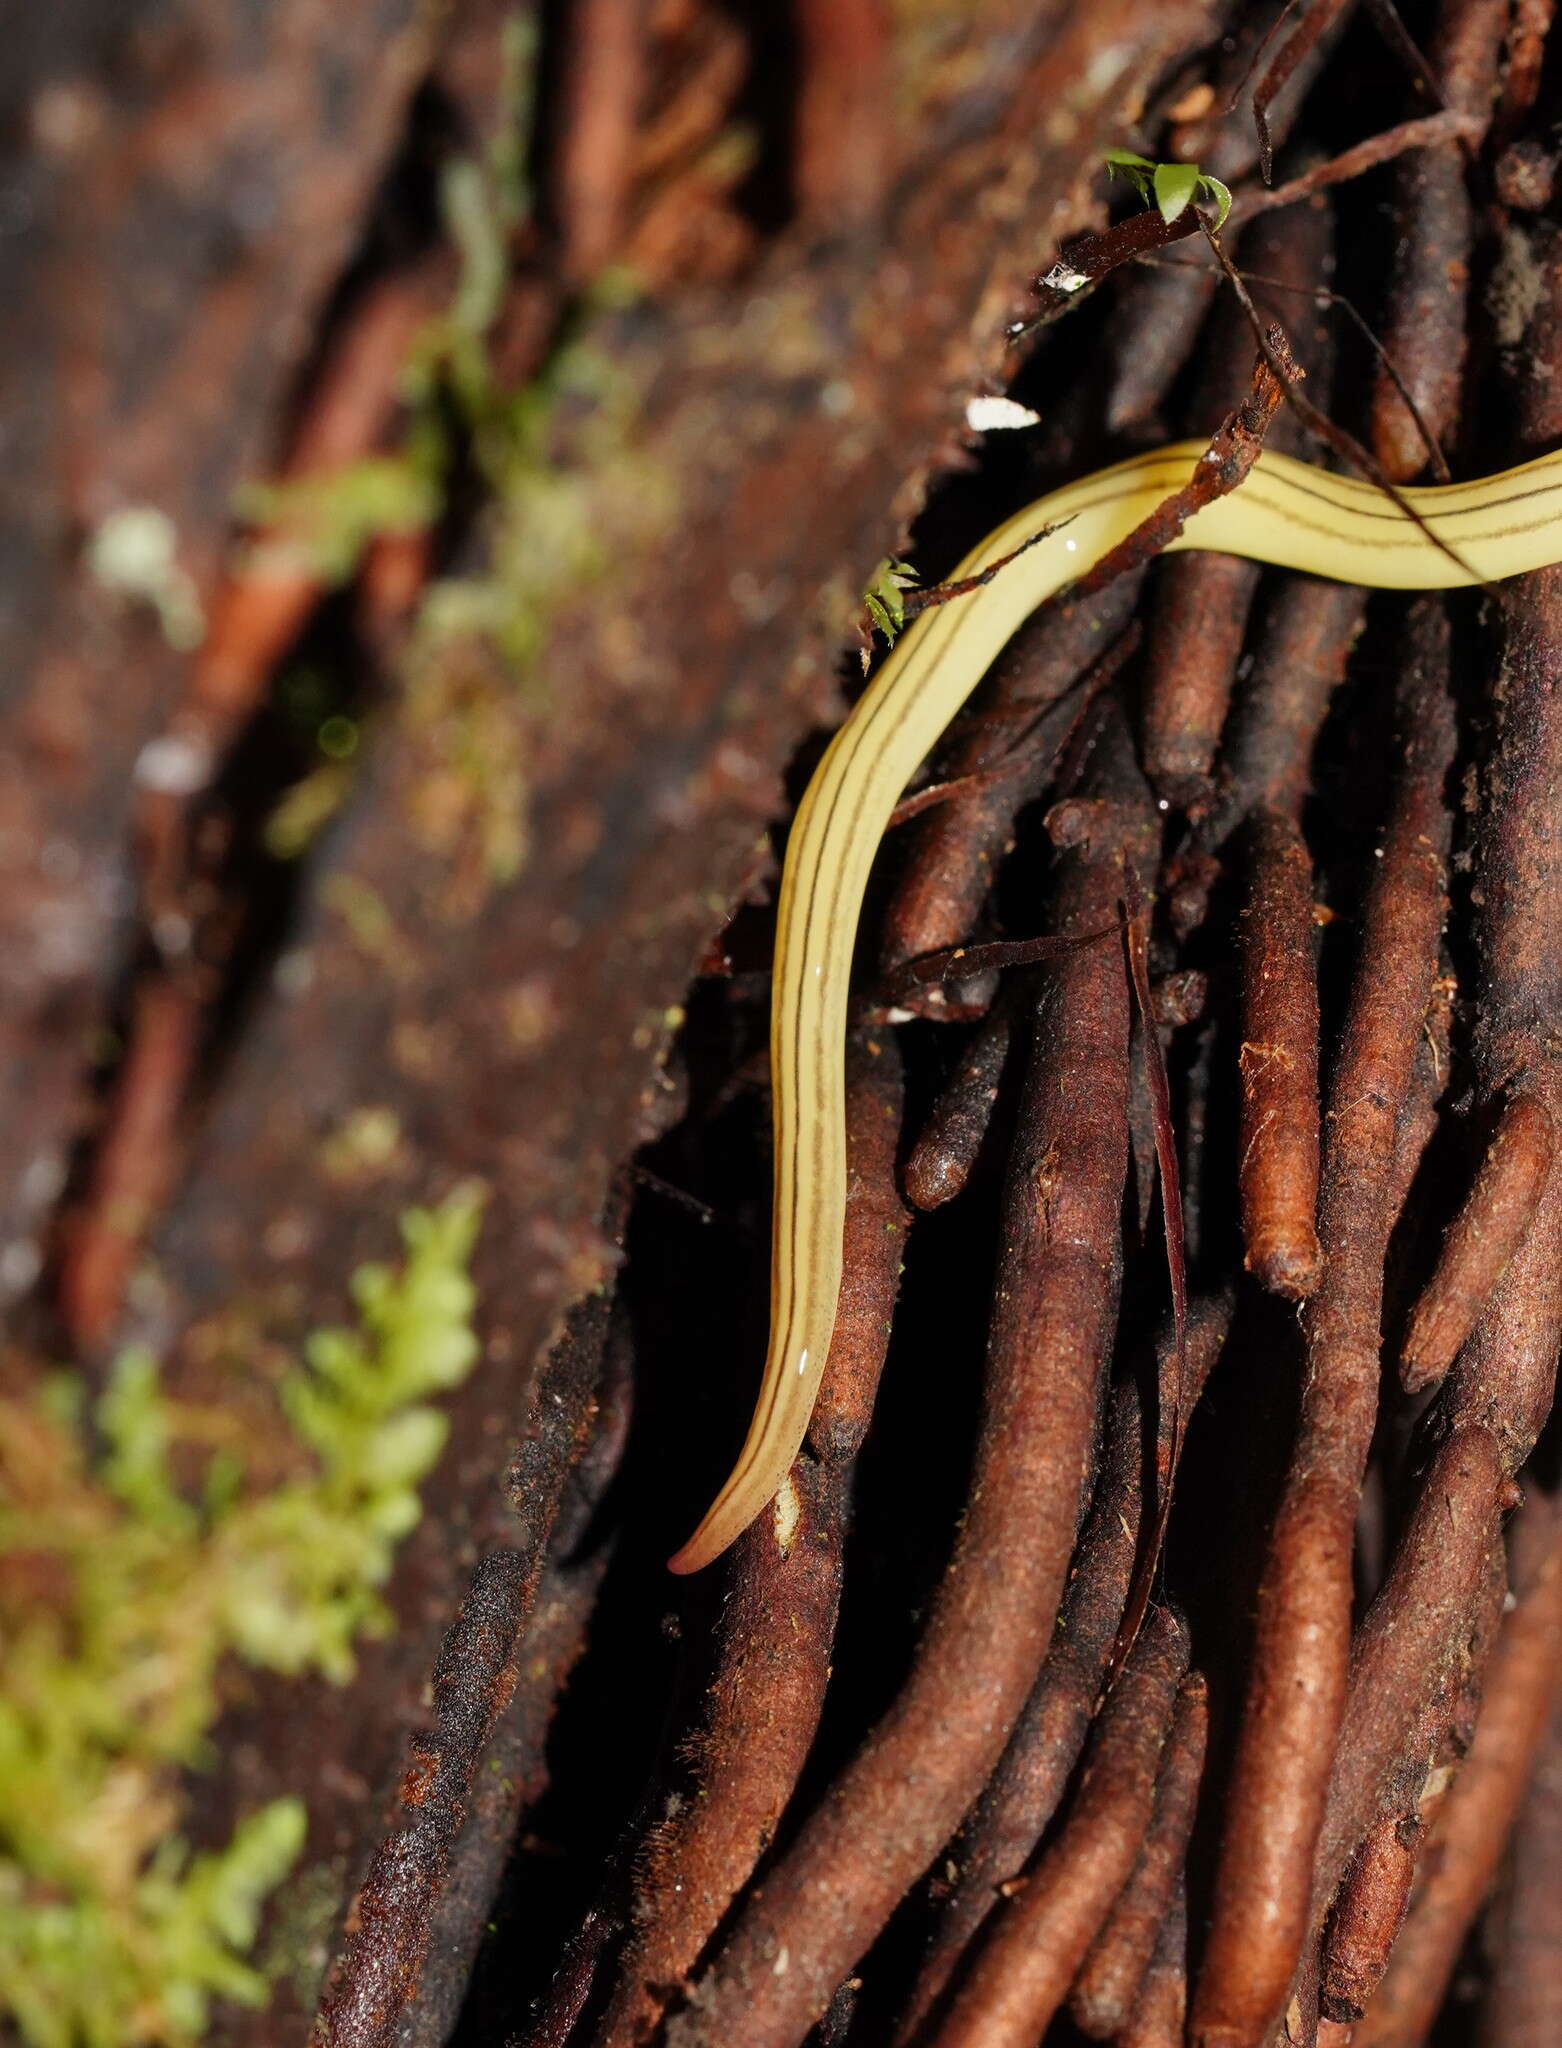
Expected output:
(885, 598)
(134, 1560)
(321, 524)
(568, 498)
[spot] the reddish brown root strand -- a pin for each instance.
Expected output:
(262, 604)
(390, 581)
(1162, 1132)
(1370, 1907)
(940, 1162)
(1526, 56)
(874, 1243)
(1480, 1241)
(1523, 2005)
(1428, 1082)
(1159, 2015)
(1297, 1688)
(1411, 1634)
(1202, 601)
(1506, 1372)
(135, 1162)
(260, 607)
(1303, 644)
(1021, 1975)
(995, 1612)
(1368, 1916)
(1190, 662)
(1147, 344)
(1461, 1860)
(1382, 148)
(1273, 1818)
(1504, 1375)
(1310, 29)
(759, 1717)
(1305, 640)
(1002, 1830)
(1107, 1988)
(555, 2020)
(955, 848)
(737, 1769)
(844, 142)
(603, 87)
(1519, 910)
(1425, 331)
(1279, 1141)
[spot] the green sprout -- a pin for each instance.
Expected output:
(885, 597)
(1171, 187)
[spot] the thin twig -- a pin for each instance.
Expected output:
(1346, 446)
(1174, 1368)
(1248, 201)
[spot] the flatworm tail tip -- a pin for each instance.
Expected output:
(693, 1557)
(721, 1527)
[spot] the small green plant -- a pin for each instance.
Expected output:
(320, 525)
(323, 523)
(135, 1559)
(569, 497)
(1171, 187)
(885, 597)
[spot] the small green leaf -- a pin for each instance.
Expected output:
(1138, 170)
(402, 1449)
(137, 1428)
(1175, 185)
(1171, 187)
(1221, 194)
(885, 605)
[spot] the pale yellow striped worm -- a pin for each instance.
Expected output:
(1285, 513)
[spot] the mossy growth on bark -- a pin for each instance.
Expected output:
(136, 1562)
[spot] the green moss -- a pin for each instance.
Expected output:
(365, 1144)
(569, 497)
(371, 924)
(885, 597)
(305, 810)
(134, 1560)
(323, 523)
